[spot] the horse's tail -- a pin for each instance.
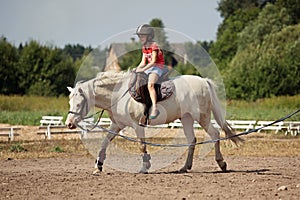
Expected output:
(218, 114)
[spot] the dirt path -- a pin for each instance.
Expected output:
(70, 178)
(265, 167)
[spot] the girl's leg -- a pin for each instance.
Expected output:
(153, 77)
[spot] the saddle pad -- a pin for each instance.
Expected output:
(139, 91)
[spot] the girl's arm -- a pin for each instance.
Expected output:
(149, 65)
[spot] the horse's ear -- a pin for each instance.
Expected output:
(70, 89)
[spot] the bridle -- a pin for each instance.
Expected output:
(80, 113)
(85, 106)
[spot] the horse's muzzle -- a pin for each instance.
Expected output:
(71, 125)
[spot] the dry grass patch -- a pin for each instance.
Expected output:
(257, 144)
(41, 149)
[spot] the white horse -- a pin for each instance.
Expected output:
(194, 98)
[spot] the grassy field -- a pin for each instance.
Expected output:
(28, 110)
(264, 109)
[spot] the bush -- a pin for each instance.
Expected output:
(266, 70)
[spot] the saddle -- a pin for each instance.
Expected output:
(138, 89)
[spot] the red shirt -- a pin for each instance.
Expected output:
(160, 55)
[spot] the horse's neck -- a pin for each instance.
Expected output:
(105, 85)
(89, 91)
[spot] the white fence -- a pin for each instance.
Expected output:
(9, 132)
(53, 125)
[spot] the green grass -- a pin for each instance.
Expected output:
(33, 103)
(28, 110)
(17, 148)
(57, 149)
(264, 109)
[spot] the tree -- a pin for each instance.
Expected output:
(160, 34)
(292, 7)
(44, 71)
(90, 65)
(133, 56)
(224, 49)
(256, 48)
(162, 39)
(228, 8)
(237, 15)
(8, 70)
(29, 64)
(76, 51)
(271, 20)
(62, 73)
(269, 69)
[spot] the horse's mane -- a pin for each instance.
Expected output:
(112, 75)
(81, 82)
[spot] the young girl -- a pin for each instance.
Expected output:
(152, 62)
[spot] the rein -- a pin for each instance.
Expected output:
(198, 143)
(96, 124)
(85, 102)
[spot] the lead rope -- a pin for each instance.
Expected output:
(94, 125)
(198, 143)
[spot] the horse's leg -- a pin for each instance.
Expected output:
(102, 153)
(188, 122)
(214, 134)
(140, 132)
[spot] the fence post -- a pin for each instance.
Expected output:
(48, 132)
(11, 134)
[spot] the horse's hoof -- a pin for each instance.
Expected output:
(223, 166)
(182, 170)
(97, 172)
(143, 172)
(145, 168)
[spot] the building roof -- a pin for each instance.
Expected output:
(118, 48)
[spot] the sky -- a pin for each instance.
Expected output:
(90, 22)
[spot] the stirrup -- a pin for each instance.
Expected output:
(154, 116)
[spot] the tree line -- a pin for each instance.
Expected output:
(35, 69)
(257, 48)
(257, 52)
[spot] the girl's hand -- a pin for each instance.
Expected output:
(139, 69)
